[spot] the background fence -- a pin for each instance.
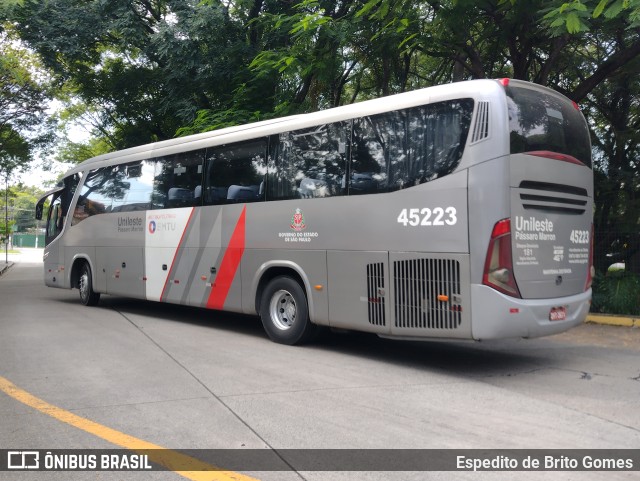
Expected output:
(27, 240)
(616, 286)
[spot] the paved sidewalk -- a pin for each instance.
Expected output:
(24, 255)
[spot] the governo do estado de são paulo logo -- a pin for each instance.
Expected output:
(297, 221)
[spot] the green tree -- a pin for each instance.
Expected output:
(23, 119)
(22, 202)
(143, 68)
(614, 110)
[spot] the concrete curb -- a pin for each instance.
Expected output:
(611, 320)
(5, 267)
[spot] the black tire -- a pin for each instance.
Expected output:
(88, 296)
(285, 312)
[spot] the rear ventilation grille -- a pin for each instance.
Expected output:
(375, 294)
(481, 127)
(427, 294)
(553, 198)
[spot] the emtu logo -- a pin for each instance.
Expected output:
(23, 460)
(152, 227)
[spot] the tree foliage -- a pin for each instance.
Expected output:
(23, 118)
(22, 202)
(145, 67)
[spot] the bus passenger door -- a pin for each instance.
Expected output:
(168, 257)
(359, 294)
(168, 274)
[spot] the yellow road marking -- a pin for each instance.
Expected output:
(196, 470)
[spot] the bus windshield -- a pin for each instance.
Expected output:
(541, 122)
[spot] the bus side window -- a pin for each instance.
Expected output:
(280, 180)
(403, 148)
(369, 154)
(311, 163)
(235, 173)
(448, 125)
(178, 180)
(95, 195)
(133, 184)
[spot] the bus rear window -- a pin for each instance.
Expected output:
(541, 122)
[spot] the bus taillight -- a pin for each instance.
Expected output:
(498, 266)
(555, 156)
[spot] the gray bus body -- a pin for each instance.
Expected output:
(460, 211)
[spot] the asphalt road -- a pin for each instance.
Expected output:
(184, 378)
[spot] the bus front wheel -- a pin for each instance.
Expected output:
(88, 296)
(285, 312)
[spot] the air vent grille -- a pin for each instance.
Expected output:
(375, 294)
(481, 127)
(553, 198)
(427, 294)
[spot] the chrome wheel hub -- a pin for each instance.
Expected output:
(283, 310)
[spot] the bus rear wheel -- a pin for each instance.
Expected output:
(285, 312)
(88, 296)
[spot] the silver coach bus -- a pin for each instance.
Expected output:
(457, 211)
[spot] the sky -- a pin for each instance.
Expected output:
(37, 176)
(45, 178)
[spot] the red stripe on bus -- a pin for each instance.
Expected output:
(229, 265)
(175, 254)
